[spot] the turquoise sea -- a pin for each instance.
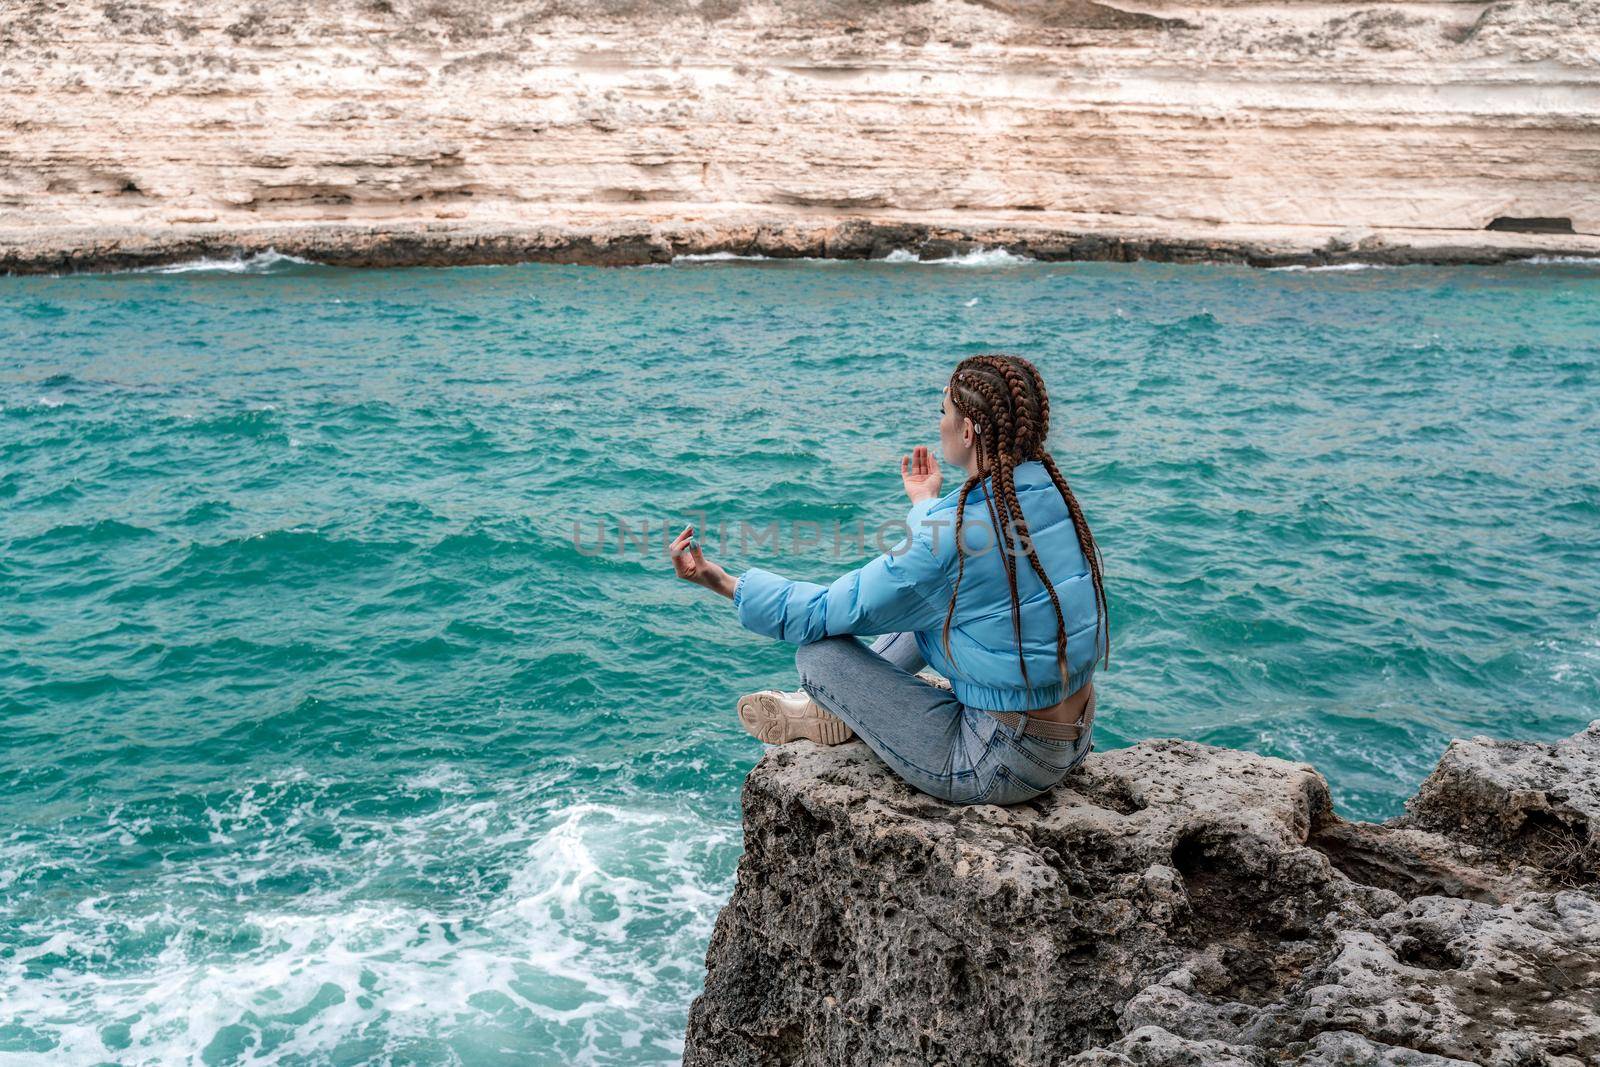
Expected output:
(323, 740)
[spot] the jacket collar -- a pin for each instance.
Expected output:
(1029, 475)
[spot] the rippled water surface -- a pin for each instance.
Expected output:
(322, 741)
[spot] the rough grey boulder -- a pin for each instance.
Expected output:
(1538, 802)
(1169, 904)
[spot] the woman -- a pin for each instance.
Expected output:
(1015, 620)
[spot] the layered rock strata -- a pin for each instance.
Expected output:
(383, 132)
(1170, 904)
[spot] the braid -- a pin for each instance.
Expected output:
(1005, 398)
(961, 564)
(1040, 394)
(1019, 394)
(1086, 542)
(1026, 538)
(1091, 554)
(984, 402)
(998, 411)
(1008, 558)
(1037, 381)
(1024, 395)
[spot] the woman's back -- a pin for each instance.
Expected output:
(983, 641)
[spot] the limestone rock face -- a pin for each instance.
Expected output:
(1169, 904)
(624, 131)
(1537, 801)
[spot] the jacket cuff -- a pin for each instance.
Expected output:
(759, 598)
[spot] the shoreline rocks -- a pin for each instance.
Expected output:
(638, 243)
(1170, 903)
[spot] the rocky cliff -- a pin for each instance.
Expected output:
(626, 131)
(1170, 904)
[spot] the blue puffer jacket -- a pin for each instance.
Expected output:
(909, 588)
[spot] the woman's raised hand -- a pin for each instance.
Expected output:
(692, 566)
(920, 474)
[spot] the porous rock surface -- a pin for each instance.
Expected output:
(1169, 904)
(391, 132)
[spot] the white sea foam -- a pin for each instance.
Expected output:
(1585, 261)
(443, 777)
(256, 263)
(717, 257)
(1336, 266)
(1574, 661)
(981, 257)
(540, 945)
(15, 860)
(978, 257)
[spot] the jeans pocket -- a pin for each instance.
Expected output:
(1041, 763)
(979, 726)
(1048, 754)
(1012, 788)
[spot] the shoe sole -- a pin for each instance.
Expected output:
(762, 717)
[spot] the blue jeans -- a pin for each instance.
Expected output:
(925, 735)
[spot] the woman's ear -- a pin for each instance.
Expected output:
(966, 432)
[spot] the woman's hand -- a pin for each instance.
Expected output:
(692, 565)
(920, 474)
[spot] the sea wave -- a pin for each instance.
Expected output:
(539, 953)
(1335, 266)
(722, 257)
(269, 262)
(1582, 261)
(1537, 261)
(978, 257)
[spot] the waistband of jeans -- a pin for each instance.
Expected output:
(1049, 729)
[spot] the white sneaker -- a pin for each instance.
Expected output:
(776, 718)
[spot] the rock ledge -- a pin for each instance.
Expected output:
(1171, 903)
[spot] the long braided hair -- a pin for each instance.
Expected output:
(1005, 398)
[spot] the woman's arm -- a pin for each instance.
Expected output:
(903, 589)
